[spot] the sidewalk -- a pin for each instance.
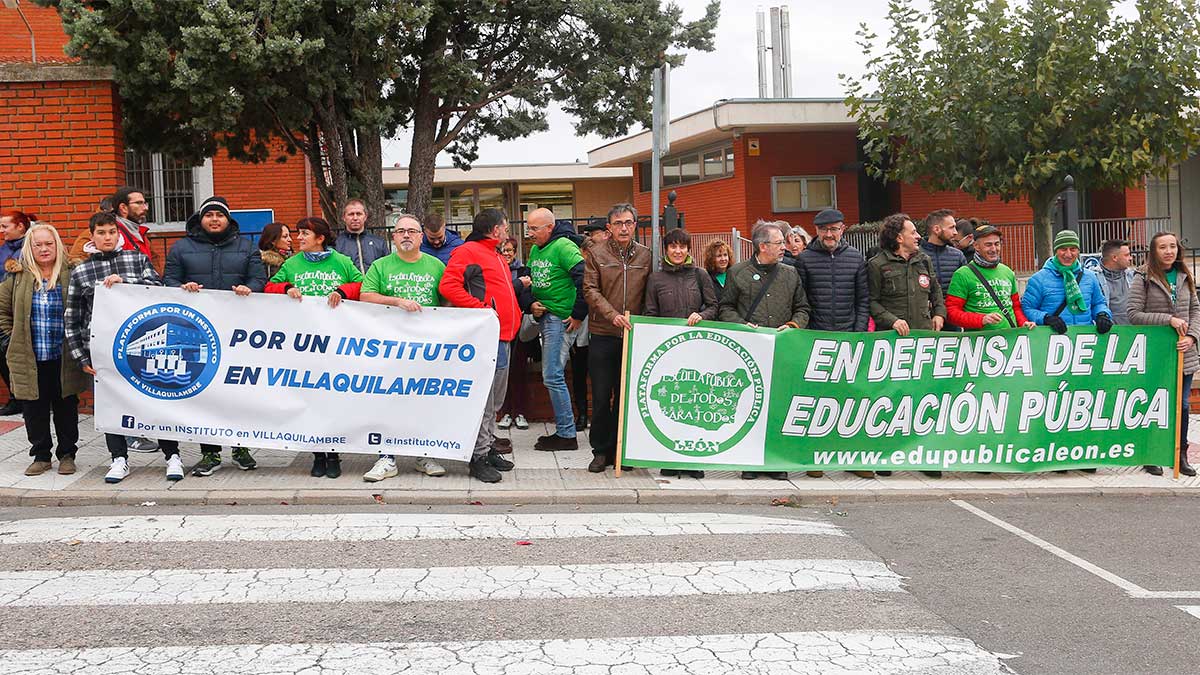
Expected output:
(540, 478)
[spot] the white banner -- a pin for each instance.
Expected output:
(268, 371)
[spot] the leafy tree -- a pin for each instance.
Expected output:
(330, 78)
(1008, 100)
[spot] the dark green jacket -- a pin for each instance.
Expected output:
(16, 303)
(904, 289)
(785, 300)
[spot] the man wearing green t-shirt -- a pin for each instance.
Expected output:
(409, 280)
(556, 267)
(983, 293)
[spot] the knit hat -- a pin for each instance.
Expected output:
(1066, 239)
(829, 217)
(214, 204)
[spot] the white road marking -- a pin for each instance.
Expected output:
(220, 586)
(1131, 589)
(1194, 610)
(811, 652)
(395, 527)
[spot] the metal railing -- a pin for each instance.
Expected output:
(1137, 231)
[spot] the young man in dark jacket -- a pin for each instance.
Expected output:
(214, 257)
(940, 235)
(355, 242)
(109, 265)
(478, 277)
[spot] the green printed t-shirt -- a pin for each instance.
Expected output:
(416, 281)
(319, 278)
(964, 284)
(550, 270)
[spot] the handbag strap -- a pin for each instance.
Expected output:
(762, 292)
(992, 292)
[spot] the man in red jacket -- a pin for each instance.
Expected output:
(478, 277)
(131, 207)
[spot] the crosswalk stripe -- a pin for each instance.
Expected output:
(1194, 610)
(394, 527)
(801, 652)
(337, 585)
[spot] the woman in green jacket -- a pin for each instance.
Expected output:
(44, 376)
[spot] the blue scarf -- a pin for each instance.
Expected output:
(316, 257)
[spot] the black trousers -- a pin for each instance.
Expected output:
(51, 404)
(117, 446)
(579, 378)
(604, 367)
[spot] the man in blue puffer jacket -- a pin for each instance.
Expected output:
(1061, 294)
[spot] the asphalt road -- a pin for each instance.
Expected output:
(928, 587)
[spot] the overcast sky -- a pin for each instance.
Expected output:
(822, 47)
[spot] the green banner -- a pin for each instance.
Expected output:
(727, 396)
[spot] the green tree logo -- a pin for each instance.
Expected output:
(705, 411)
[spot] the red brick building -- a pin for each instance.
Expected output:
(786, 159)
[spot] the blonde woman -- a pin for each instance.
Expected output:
(44, 376)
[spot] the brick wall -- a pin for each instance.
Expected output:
(810, 153)
(278, 185)
(917, 202)
(711, 206)
(595, 197)
(47, 31)
(61, 147)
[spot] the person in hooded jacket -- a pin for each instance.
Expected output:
(213, 256)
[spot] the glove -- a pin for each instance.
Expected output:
(1103, 324)
(1056, 324)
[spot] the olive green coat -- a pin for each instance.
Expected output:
(16, 303)
(904, 289)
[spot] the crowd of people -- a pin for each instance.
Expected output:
(569, 302)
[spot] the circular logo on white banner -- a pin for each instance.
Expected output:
(699, 393)
(167, 351)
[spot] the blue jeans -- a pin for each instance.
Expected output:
(556, 348)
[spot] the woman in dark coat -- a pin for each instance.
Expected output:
(718, 258)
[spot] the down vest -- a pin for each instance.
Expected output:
(836, 285)
(219, 265)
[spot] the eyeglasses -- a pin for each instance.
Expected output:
(138, 201)
(406, 232)
(774, 243)
(623, 223)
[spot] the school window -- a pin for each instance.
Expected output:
(168, 184)
(693, 166)
(803, 193)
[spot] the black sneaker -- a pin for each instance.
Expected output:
(669, 473)
(933, 474)
(209, 463)
(498, 462)
(693, 473)
(333, 465)
(13, 407)
(241, 457)
(749, 475)
(554, 442)
(482, 470)
(318, 467)
(1153, 470)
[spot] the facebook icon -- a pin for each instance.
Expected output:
(127, 421)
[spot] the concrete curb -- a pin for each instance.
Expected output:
(19, 497)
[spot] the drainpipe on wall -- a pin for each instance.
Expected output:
(308, 187)
(15, 4)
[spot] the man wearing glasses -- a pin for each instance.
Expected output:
(131, 208)
(614, 282)
(835, 275)
(761, 292)
(408, 280)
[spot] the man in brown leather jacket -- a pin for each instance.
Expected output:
(614, 282)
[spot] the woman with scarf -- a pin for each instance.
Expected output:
(337, 279)
(680, 291)
(1163, 293)
(275, 246)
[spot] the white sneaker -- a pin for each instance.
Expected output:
(429, 467)
(174, 468)
(117, 471)
(385, 467)
(521, 422)
(505, 422)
